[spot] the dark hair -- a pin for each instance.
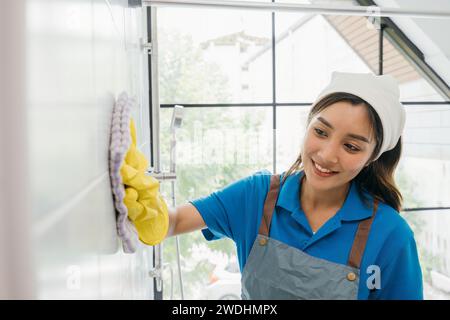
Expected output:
(377, 178)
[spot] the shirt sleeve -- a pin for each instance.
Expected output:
(401, 275)
(227, 211)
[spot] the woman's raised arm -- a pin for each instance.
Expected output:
(184, 219)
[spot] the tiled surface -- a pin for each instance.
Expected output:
(80, 56)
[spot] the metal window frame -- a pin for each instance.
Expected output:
(296, 7)
(411, 52)
(388, 29)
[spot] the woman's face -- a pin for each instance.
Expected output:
(338, 139)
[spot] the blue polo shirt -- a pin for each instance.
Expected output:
(236, 212)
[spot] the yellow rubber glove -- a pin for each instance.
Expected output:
(137, 179)
(134, 157)
(153, 231)
(135, 209)
(146, 207)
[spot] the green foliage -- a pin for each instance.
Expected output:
(184, 75)
(186, 78)
(417, 222)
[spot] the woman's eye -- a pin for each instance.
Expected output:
(319, 132)
(351, 147)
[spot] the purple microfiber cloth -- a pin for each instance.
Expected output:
(119, 145)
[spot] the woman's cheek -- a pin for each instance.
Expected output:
(311, 143)
(354, 166)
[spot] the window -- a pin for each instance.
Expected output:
(226, 58)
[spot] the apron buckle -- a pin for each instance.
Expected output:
(351, 276)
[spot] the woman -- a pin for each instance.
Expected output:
(328, 228)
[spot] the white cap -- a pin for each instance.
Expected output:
(382, 93)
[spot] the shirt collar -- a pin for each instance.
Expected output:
(352, 209)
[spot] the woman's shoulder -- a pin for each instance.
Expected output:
(260, 179)
(392, 220)
(261, 176)
(388, 217)
(262, 173)
(256, 180)
(394, 242)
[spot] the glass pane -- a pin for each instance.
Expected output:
(215, 146)
(413, 86)
(418, 89)
(310, 47)
(432, 238)
(291, 127)
(308, 50)
(426, 155)
(424, 179)
(204, 55)
(362, 37)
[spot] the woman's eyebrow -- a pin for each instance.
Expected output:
(351, 135)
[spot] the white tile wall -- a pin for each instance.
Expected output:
(80, 54)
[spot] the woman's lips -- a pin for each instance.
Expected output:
(320, 173)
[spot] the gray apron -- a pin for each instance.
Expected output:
(275, 270)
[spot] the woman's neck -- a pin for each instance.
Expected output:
(313, 199)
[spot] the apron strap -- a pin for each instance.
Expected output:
(359, 243)
(269, 205)
(362, 234)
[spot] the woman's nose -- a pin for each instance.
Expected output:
(329, 154)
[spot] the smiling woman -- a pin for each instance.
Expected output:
(329, 227)
(344, 137)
